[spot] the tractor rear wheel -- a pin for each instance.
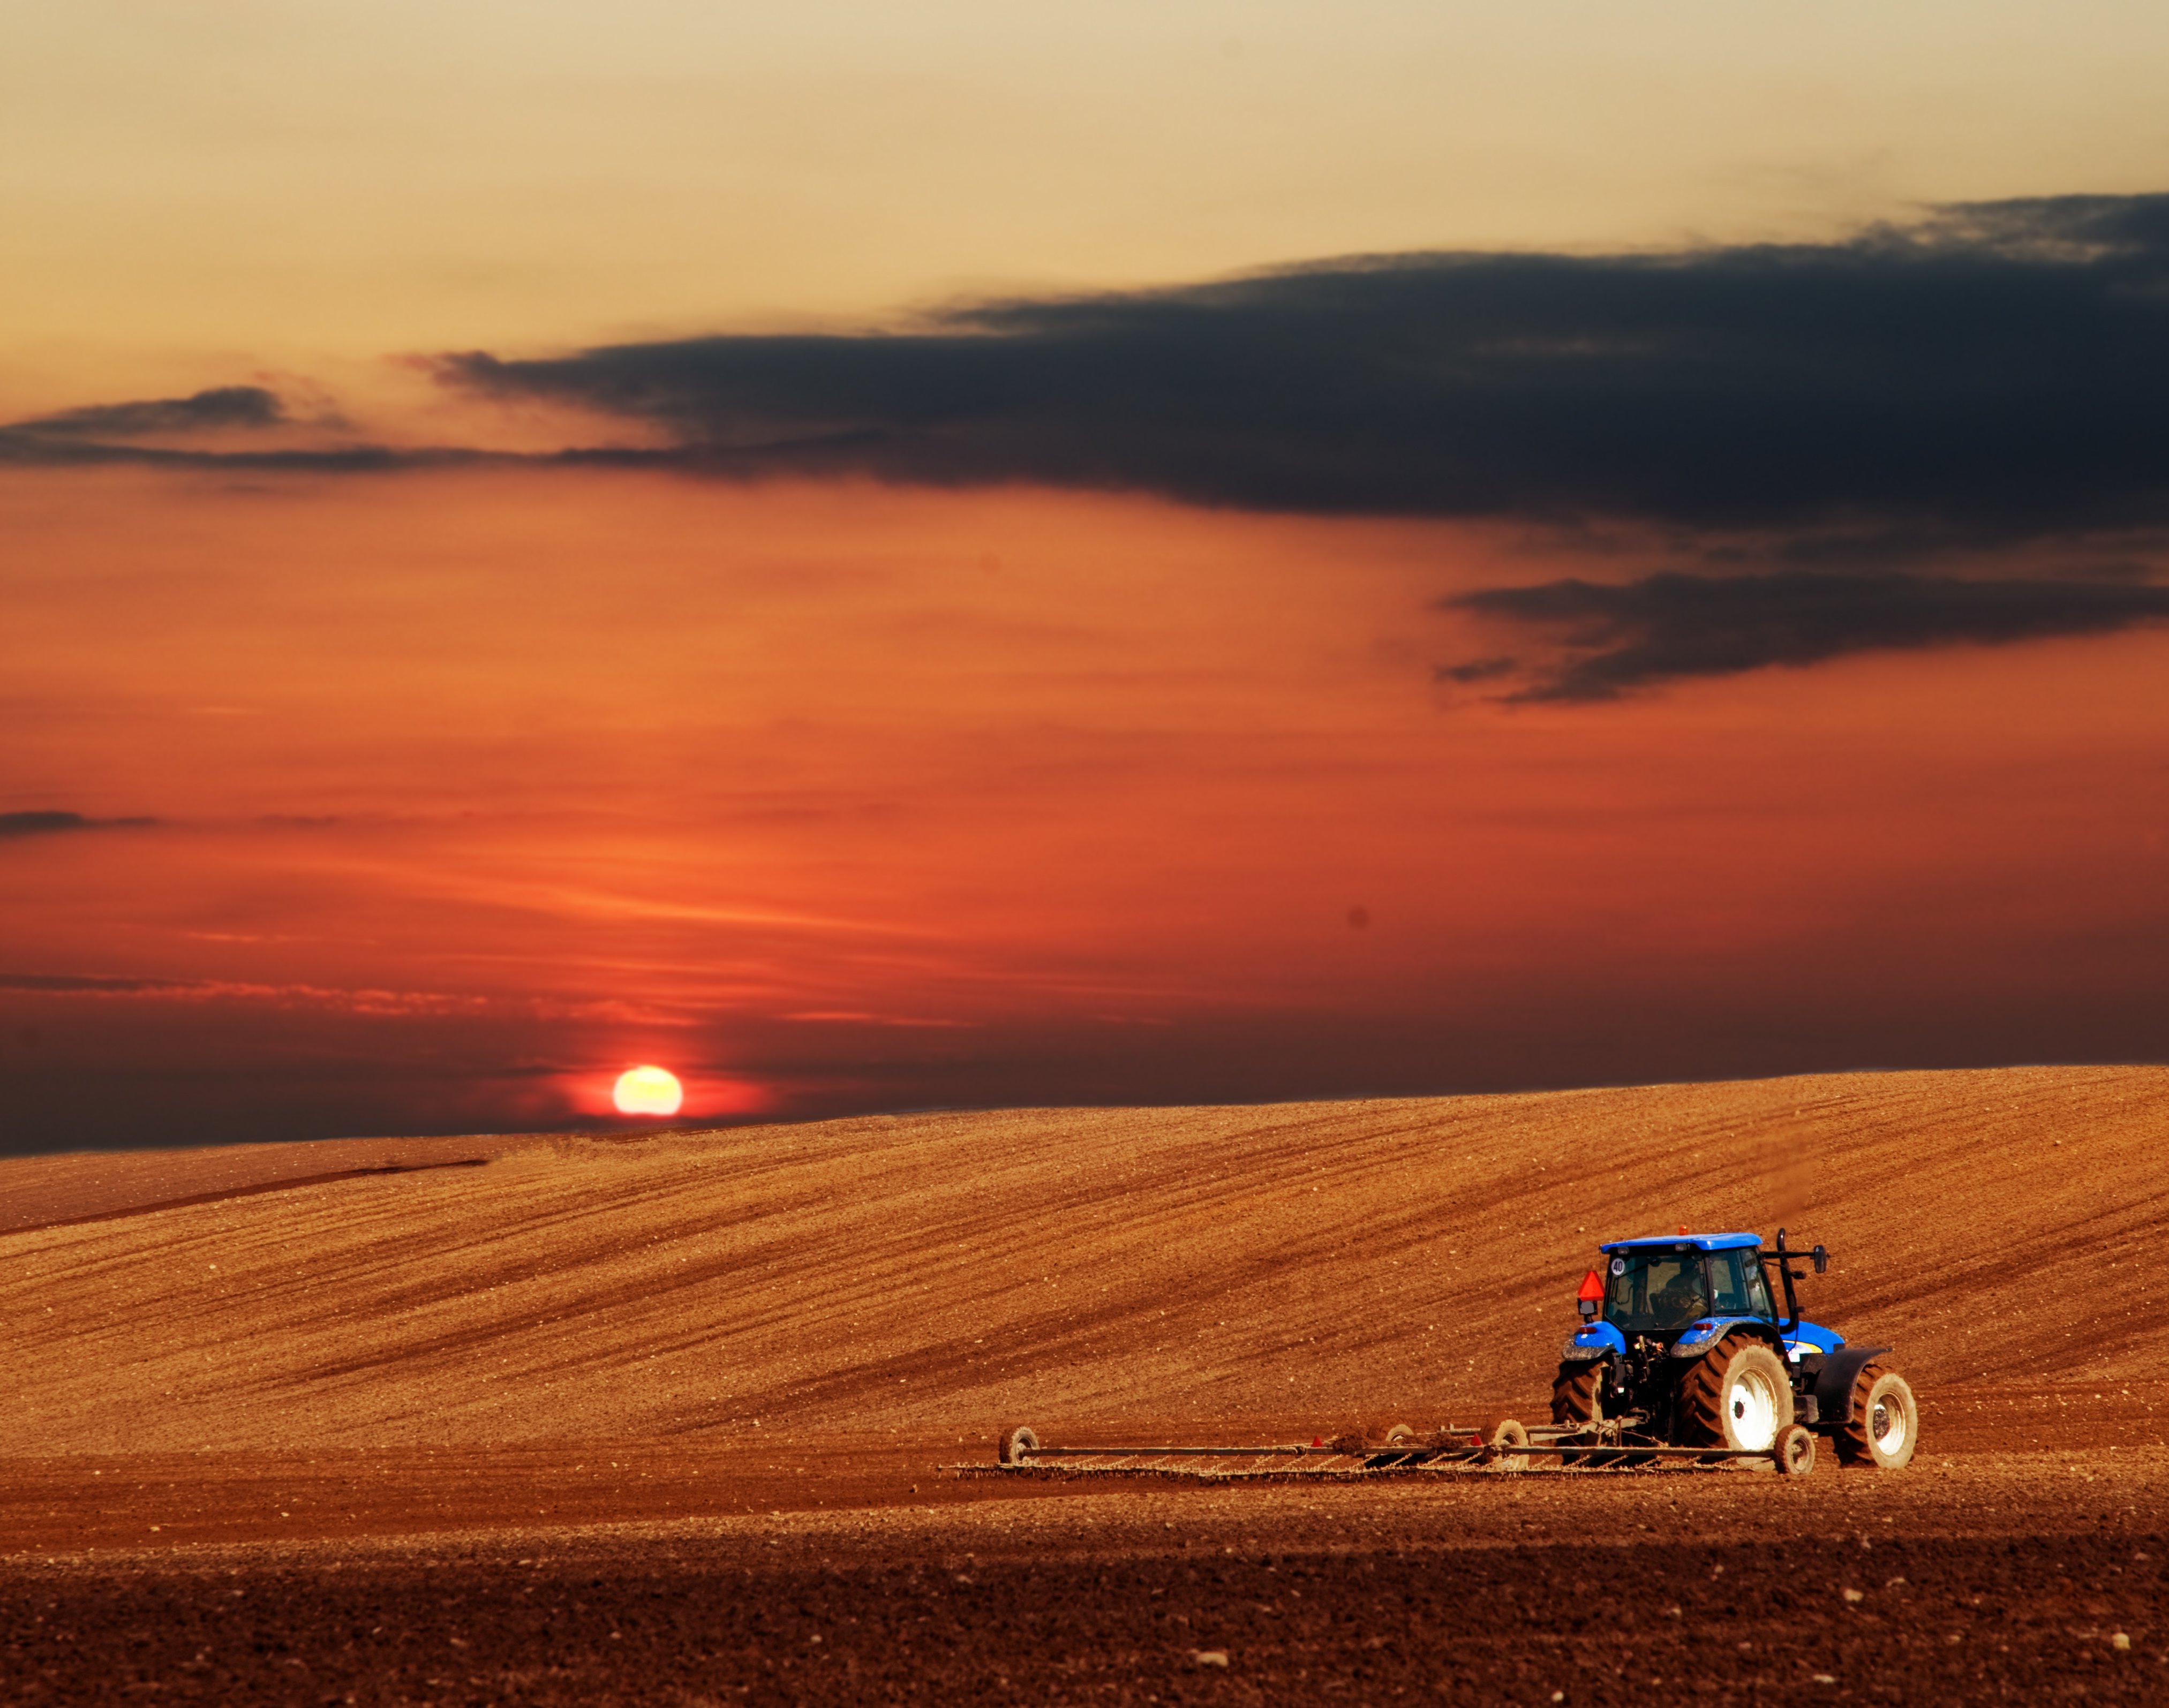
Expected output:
(1881, 1425)
(1738, 1397)
(1578, 1400)
(1575, 1398)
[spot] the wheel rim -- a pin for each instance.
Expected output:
(1752, 1404)
(1886, 1424)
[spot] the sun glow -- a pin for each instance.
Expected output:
(648, 1090)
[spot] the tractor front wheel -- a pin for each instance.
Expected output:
(1882, 1423)
(1737, 1397)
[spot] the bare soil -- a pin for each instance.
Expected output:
(1990, 1578)
(593, 1420)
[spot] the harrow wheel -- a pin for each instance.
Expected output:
(1882, 1423)
(1738, 1397)
(1016, 1446)
(1505, 1437)
(1795, 1452)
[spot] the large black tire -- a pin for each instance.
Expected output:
(1576, 1397)
(1016, 1446)
(1738, 1397)
(1882, 1423)
(1578, 1401)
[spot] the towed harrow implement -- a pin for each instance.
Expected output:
(1507, 1447)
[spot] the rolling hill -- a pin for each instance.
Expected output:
(1262, 1268)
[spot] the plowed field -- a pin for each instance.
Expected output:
(723, 1373)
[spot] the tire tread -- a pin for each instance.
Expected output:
(1698, 1406)
(1574, 1391)
(1853, 1444)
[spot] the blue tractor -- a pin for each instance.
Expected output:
(1682, 1346)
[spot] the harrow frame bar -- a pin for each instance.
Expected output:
(1597, 1458)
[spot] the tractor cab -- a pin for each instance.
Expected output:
(1686, 1292)
(1666, 1289)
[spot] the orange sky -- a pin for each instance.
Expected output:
(471, 789)
(428, 799)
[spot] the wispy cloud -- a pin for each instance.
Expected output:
(22, 824)
(339, 999)
(87, 984)
(22, 447)
(223, 407)
(1613, 639)
(362, 1002)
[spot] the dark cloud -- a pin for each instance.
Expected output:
(1993, 372)
(20, 446)
(1999, 368)
(15, 824)
(1664, 627)
(221, 406)
(81, 984)
(106, 433)
(1476, 670)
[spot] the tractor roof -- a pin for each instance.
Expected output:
(1684, 1242)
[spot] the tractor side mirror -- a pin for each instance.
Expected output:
(1822, 1260)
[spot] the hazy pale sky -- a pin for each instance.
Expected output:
(190, 186)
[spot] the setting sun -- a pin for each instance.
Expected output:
(648, 1090)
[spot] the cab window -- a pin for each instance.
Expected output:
(1729, 1295)
(1758, 1288)
(1654, 1293)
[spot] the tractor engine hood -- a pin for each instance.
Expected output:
(1808, 1338)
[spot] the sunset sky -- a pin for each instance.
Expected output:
(885, 557)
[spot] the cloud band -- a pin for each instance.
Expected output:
(1998, 367)
(1617, 638)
